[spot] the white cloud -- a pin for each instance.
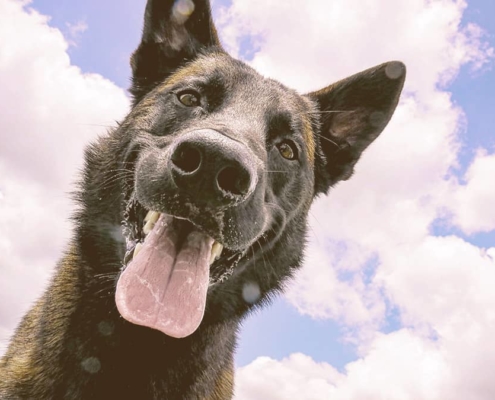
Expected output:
(401, 365)
(50, 111)
(75, 30)
(296, 377)
(398, 366)
(323, 41)
(439, 285)
(474, 203)
(457, 294)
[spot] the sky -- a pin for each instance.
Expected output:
(395, 299)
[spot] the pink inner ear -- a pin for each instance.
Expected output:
(354, 111)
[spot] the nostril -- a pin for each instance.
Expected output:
(187, 158)
(234, 180)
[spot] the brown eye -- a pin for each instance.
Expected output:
(287, 150)
(189, 99)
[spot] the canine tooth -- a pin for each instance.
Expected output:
(216, 252)
(219, 248)
(137, 249)
(150, 221)
(152, 216)
(148, 227)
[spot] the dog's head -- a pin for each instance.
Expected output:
(225, 164)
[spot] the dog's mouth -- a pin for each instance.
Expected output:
(168, 267)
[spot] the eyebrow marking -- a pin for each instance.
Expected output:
(309, 137)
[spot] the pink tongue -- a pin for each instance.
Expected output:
(165, 288)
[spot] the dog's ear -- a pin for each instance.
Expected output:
(353, 112)
(174, 32)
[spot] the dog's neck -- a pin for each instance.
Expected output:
(135, 359)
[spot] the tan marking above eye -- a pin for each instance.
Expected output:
(286, 151)
(189, 99)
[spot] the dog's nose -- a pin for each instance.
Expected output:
(213, 168)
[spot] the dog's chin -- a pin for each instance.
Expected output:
(139, 222)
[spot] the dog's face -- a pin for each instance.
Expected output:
(222, 155)
(223, 161)
(222, 147)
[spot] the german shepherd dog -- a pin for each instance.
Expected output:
(192, 212)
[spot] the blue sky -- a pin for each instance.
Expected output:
(370, 296)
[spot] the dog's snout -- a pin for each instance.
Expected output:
(213, 168)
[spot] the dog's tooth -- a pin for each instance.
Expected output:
(152, 216)
(219, 249)
(147, 228)
(150, 221)
(137, 249)
(216, 252)
(150, 213)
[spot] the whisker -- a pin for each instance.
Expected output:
(312, 229)
(326, 112)
(280, 172)
(340, 146)
(329, 112)
(327, 139)
(106, 275)
(109, 181)
(274, 205)
(104, 126)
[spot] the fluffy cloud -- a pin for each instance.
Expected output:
(473, 207)
(371, 248)
(398, 366)
(323, 41)
(296, 377)
(50, 110)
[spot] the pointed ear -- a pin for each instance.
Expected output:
(174, 32)
(354, 112)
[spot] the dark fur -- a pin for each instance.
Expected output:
(73, 344)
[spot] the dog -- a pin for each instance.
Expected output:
(192, 212)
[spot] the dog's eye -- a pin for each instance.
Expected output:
(288, 150)
(189, 99)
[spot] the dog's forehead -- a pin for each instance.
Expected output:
(240, 81)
